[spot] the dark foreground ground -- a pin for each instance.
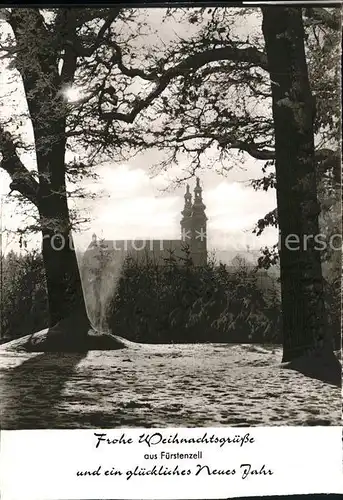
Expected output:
(159, 386)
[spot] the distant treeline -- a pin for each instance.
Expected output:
(162, 304)
(184, 303)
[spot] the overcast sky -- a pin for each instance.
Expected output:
(130, 204)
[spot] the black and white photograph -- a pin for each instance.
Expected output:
(171, 240)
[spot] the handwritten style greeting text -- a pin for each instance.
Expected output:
(157, 438)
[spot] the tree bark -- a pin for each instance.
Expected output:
(65, 294)
(62, 274)
(305, 331)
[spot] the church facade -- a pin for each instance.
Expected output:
(193, 237)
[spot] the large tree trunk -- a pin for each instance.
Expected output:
(62, 275)
(305, 332)
(65, 294)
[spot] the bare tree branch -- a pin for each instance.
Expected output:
(131, 72)
(192, 63)
(76, 45)
(22, 179)
(249, 147)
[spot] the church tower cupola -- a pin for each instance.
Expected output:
(199, 227)
(94, 240)
(198, 205)
(186, 220)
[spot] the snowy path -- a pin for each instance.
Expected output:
(159, 386)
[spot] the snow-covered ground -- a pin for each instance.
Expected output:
(158, 386)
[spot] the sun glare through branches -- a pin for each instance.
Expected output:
(72, 94)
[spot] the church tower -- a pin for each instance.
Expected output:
(94, 242)
(199, 227)
(186, 221)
